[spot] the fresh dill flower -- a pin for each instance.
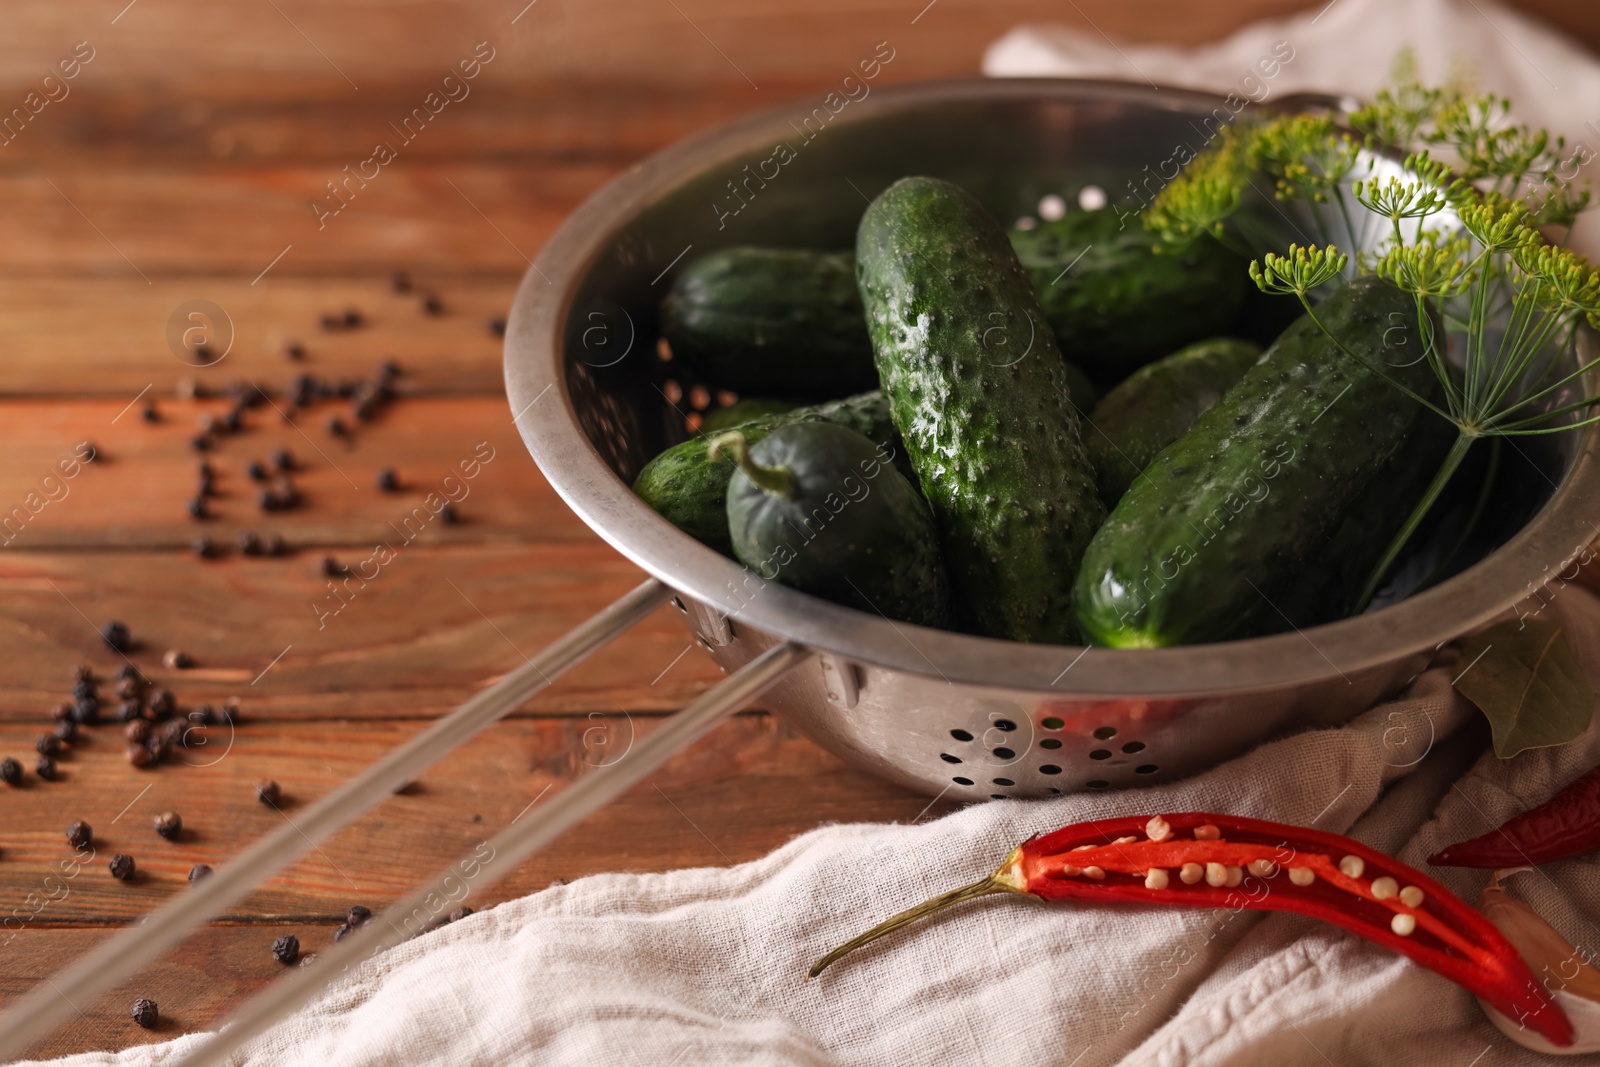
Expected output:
(1435, 266)
(1208, 192)
(1299, 272)
(1396, 115)
(1306, 156)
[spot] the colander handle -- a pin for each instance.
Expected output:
(53, 1000)
(505, 851)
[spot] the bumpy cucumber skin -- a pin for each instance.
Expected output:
(1123, 303)
(691, 491)
(1156, 405)
(979, 392)
(784, 321)
(1230, 528)
(743, 411)
(855, 532)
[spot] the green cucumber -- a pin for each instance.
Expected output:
(1156, 405)
(1233, 530)
(1118, 297)
(743, 411)
(979, 393)
(691, 490)
(785, 321)
(822, 509)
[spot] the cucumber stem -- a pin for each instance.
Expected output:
(1452, 460)
(780, 481)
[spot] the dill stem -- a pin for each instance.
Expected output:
(1452, 460)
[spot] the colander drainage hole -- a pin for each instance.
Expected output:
(1097, 783)
(1147, 768)
(1005, 753)
(1004, 724)
(1049, 768)
(1105, 733)
(961, 735)
(1100, 753)
(1052, 723)
(1050, 742)
(1133, 746)
(949, 758)
(1054, 791)
(958, 780)
(998, 796)
(1004, 781)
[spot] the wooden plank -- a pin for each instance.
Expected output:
(117, 334)
(433, 625)
(136, 493)
(746, 789)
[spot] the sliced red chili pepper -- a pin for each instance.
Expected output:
(1206, 860)
(1568, 824)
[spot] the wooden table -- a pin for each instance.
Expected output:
(179, 167)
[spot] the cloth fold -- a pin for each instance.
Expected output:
(707, 966)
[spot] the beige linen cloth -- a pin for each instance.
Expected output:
(707, 966)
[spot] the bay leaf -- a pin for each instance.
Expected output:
(1522, 675)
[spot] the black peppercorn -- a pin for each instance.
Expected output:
(203, 353)
(388, 370)
(145, 1013)
(128, 688)
(497, 327)
(169, 824)
(159, 703)
(137, 754)
(229, 711)
(198, 871)
(432, 305)
(286, 949)
(159, 746)
(248, 543)
(86, 712)
(203, 715)
(47, 745)
(67, 730)
(200, 443)
(197, 508)
(205, 482)
(121, 866)
(330, 322)
(150, 414)
(401, 282)
(358, 915)
(45, 768)
(79, 834)
(352, 318)
(83, 688)
(176, 659)
(274, 545)
(269, 792)
(341, 930)
(137, 731)
(81, 673)
(204, 547)
(233, 419)
(294, 350)
(331, 568)
(447, 514)
(337, 427)
(61, 713)
(87, 451)
(388, 481)
(460, 913)
(115, 635)
(127, 670)
(267, 500)
(282, 460)
(10, 771)
(257, 471)
(129, 711)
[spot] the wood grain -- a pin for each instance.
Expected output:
(433, 626)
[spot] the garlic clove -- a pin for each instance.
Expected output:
(1573, 983)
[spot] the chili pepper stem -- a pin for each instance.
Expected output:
(1008, 879)
(779, 481)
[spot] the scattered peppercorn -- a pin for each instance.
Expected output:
(10, 771)
(127, 670)
(115, 635)
(67, 730)
(61, 713)
(45, 768)
(169, 824)
(401, 282)
(248, 543)
(274, 545)
(47, 745)
(137, 731)
(128, 711)
(82, 673)
(388, 481)
(460, 913)
(128, 688)
(330, 322)
(78, 833)
(337, 427)
(229, 711)
(331, 568)
(233, 420)
(497, 327)
(146, 1013)
(352, 318)
(200, 443)
(197, 508)
(198, 871)
(86, 711)
(159, 703)
(257, 471)
(358, 915)
(138, 755)
(388, 370)
(341, 930)
(267, 500)
(204, 547)
(121, 866)
(87, 452)
(447, 514)
(176, 659)
(294, 350)
(203, 353)
(269, 792)
(308, 959)
(286, 949)
(83, 688)
(432, 305)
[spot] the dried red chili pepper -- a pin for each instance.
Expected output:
(1568, 824)
(1204, 860)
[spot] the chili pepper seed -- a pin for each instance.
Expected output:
(1384, 888)
(79, 834)
(169, 824)
(1156, 878)
(1411, 896)
(121, 866)
(1158, 829)
(1352, 866)
(1302, 876)
(286, 949)
(1404, 925)
(1191, 873)
(146, 1013)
